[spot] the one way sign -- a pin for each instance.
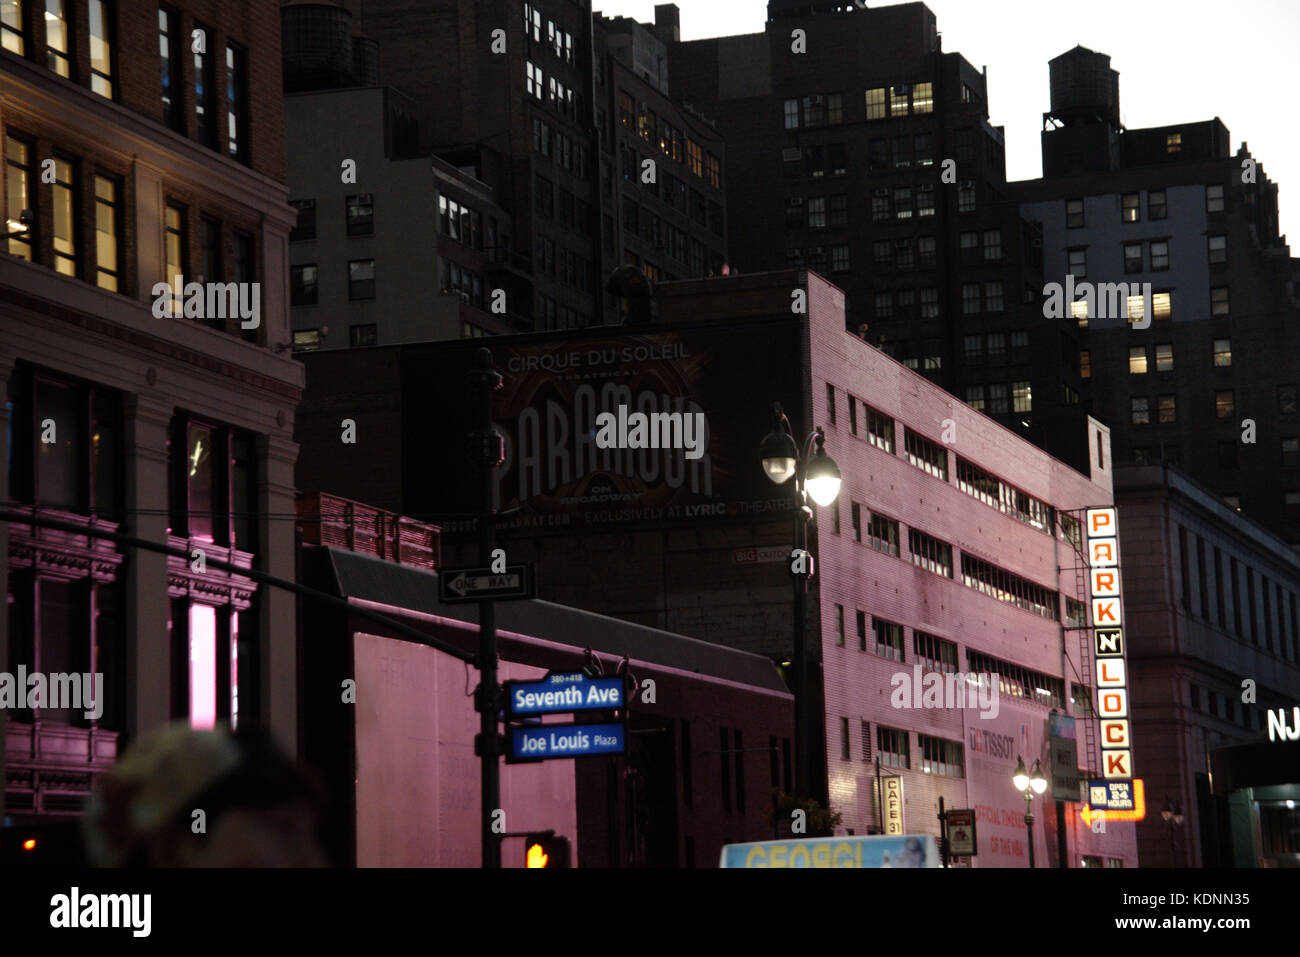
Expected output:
(475, 584)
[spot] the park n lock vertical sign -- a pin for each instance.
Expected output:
(1106, 608)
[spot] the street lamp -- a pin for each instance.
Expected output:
(1029, 785)
(816, 476)
(1174, 818)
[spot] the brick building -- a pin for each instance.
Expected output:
(1175, 208)
(1213, 597)
(838, 155)
(910, 570)
(142, 143)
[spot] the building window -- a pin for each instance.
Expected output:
(168, 22)
(1159, 255)
(1156, 208)
(306, 340)
(934, 653)
(361, 214)
(535, 81)
(1021, 397)
(1219, 301)
(1218, 248)
(236, 102)
(176, 254)
(880, 429)
(1073, 213)
(713, 167)
(1164, 357)
(361, 279)
(302, 285)
(975, 397)
(882, 533)
(1132, 257)
(930, 553)
(56, 35)
(817, 212)
(694, 157)
(839, 259)
(1223, 352)
(1173, 142)
(942, 757)
(791, 114)
(205, 111)
(844, 739)
(1020, 346)
(64, 195)
(855, 518)
(101, 48)
(892, 748)
(923, 98)
(1224, 406)
(18, 193)
(889, 638)
(305, 227)
(966, 198)
(839, 625)
(13, 27)
(926, 455)
(108, 236)
(1140, 410)
(903, 202)
(1130, 208)
(839, 210)
(875, 101)
(1286, 400)
(1167, 409)
(898, 96)
(1214, 198)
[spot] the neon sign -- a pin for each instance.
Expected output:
(1108, 643)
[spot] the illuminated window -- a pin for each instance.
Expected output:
(875, 100)
(1223, 352)
(108, 236)
(1130, 208)
(535, 84)
(236, 102)
(56, 36)
(1022, 397)
(1173, 142)
(65, 220)
(176, 255)
(1218, 248)
(1085, 364)
(898, 100)
(714, 170)
(205, 109)
(925, 200)
(1164, 357)
(12, 26)
(1162, 305)
(1167, 409)
(1140, 410)
(18, 195)
(903, 202)
(923, 98)
(1224, 404)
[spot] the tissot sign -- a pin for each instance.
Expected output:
(572, 410)
(1106, 609)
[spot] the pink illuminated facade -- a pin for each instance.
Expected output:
(951, 552)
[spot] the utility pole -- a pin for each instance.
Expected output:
(487, 452)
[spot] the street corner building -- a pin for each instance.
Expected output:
(135, 154)
(954, 545)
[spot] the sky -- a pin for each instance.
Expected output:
(1179, 61)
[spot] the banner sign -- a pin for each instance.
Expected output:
(919, 850)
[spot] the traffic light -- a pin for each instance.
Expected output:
(546, 849)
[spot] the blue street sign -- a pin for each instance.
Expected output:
(562, 693)
(1106, 795)
(541, 741)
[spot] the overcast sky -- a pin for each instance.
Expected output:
(1179, 61)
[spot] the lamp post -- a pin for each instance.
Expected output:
(1174, 817)
(817, 476)
(1029, 785)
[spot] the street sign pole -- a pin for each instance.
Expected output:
(487, 452)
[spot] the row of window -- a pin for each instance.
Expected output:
(1260, 604)
(173, 44)
(551, 91)
(899, 100)
(552, 315)
(1008, 499)
(993, 347)
(1008, 587)
(359, 334)
(816, 256)
(1131, 206)
(1162, 307)
(892, 254)
(24, 30)
(565, 264)
(559, 41)
(1018, 681)
(893, 747)
(673, 192)
(304, 280)
(358, 216)
(1000, 398)
(641, 120)
(1225, 407)
(559, 146)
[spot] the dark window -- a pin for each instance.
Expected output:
(302, 285)
(168, 51)
(1218, 586)
(305, 227)
(361, 214)
(237, 103)
(205, 110)
(361, 279)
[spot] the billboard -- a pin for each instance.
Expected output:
(580, 412)
(917, 850)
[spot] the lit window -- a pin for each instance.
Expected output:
(1223, 352)
(1214, 198)
(1161, 305)
(694, 157)
(236, 102)
(1167, 408)
(1085, 364)
(1079, 310)
(903, 202)
(1218, 248)
(923, 98)
(108, 237)
(875, 100)
(898, 100)
(1137, 360)
(1173, 142)
(1164, 357)
(975, 397)
(12, 32)
(175, 254)
(56, 35)
(925, 200)
(1224, 405)
(1022, 397)
(18, 192)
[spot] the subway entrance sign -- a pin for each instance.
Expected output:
(903, 850)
